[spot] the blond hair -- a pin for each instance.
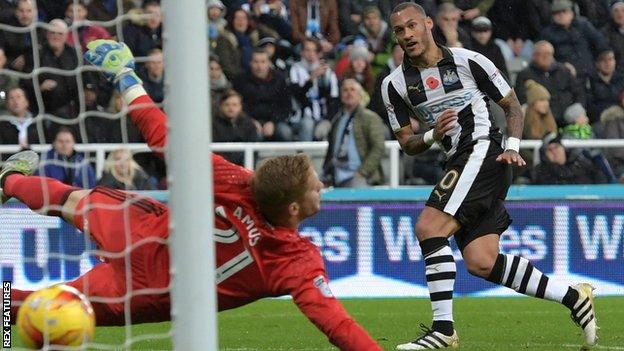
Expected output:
(279, 181)
(109, 166)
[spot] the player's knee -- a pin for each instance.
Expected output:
(424, 230)
(480, 268)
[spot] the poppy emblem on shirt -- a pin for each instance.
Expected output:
(432, 82)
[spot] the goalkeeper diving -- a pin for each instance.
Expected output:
(259, 252)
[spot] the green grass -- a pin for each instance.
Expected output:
(483, 324)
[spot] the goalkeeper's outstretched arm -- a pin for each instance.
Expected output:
(117, 64)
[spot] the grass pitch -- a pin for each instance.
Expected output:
(483, 324)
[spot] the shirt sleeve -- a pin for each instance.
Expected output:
(315, 300)
(151, 121)
(398, 111)
(488, 78)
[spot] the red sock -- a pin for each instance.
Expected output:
(37, 192)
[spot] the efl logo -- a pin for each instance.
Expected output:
(6, 314)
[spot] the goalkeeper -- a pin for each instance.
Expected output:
(258, 248)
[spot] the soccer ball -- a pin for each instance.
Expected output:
(57, 315)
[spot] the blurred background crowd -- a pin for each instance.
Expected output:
(308, 70)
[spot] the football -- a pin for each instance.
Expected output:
(56, 315)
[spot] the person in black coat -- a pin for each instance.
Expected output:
(555, 77)
(605, 87)
(575, 39)
(17, 45)
(266, 97)
(233, 125)
(614, 32)
(59, 91)
(561, 166)
(483, 43)
(142, 38)
(21, 129)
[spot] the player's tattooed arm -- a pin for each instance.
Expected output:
(515, 125)
(513, 114)
(411, 143)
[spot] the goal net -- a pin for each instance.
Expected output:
(67, 112)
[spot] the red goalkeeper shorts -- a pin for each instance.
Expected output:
(131, 233)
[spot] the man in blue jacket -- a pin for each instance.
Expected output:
(62, 162)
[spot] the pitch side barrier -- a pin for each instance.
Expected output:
(574, 233)
(252, 151)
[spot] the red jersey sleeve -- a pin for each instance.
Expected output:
(315, 300)
(151, 121)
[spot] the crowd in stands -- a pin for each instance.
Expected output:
(308, 70)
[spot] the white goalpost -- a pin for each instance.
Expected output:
(193, 290)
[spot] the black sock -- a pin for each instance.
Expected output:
(444, 327)
(570, 298)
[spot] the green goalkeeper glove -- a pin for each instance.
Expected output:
(116, 61)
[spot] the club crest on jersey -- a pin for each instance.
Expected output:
(321, 284)
(432, 82)
(450, 78)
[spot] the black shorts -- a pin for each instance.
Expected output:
(473, 190)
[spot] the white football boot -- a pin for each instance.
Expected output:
(583, 313)
(431, 340)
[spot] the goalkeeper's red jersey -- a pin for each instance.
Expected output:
(254, 258)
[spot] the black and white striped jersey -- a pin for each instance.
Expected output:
(463, 80)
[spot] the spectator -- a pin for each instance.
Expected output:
(231, 124)
(577, 123)
(555, 77)
(360, 69)
(576, 40)
(7, 82)
(378, 35)
(604, 87)
(59, 91)
(447, 30)
(518, 33)
(471, 9)
(376, 103)
(75, 15)
(482, 42)
(216, 18)
(271, 14)
(121, 129)
(578, 128)
(21, 128)
(317, 19)
(356, 142)
(225, 47)
(122, 172)
(539, 119)
(244, 36)
(559, 166)
(277, 52)
(351, 13)
(612, 120)
(266, 97)
(17, 45)
(142, 38)
(153, 75)
(63, 163)
(614, 32)
(7, 10)
(315, 92)
(219, 83)
(97, 127)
